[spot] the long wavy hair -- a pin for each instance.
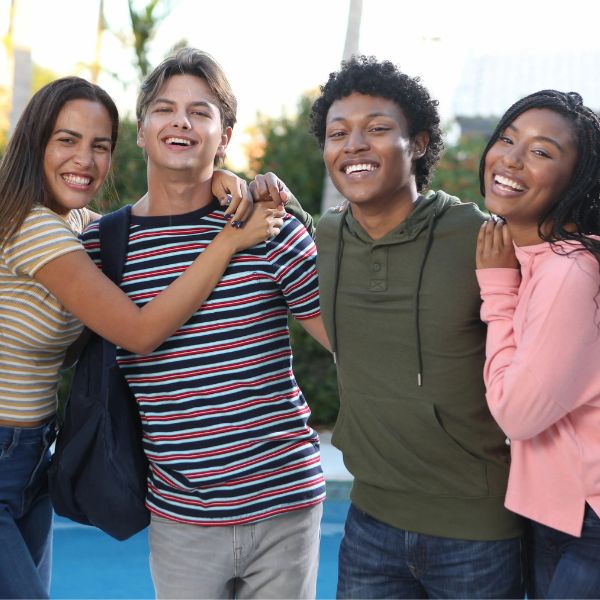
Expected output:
(22, 181)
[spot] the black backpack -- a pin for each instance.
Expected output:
(98, 472)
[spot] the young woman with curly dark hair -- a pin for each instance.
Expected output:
(538, 268)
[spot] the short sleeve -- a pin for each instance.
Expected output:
(42, 237)
(292, 256)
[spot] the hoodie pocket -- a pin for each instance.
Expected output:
(401, 445)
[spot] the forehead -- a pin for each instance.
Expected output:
(186, 89)
(360, 106)
(547, 123)
(80, 115)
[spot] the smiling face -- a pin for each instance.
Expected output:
(181, 130)
(369, 153)
(77, 156)
(529, 167)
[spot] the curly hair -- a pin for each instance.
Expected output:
(366, 75)
(580, 205)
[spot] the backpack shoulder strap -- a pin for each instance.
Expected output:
(114, 230)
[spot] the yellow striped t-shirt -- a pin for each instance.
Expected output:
(35, 329)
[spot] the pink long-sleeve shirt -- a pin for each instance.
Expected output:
(542, 375)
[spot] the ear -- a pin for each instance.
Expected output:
(420, 142)
(140, 135)
(225, 139)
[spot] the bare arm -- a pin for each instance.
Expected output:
(316, 329)
(88, 294)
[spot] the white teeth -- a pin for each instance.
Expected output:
(508, 182)
(77, 179)
(362, 167)
(178, 141)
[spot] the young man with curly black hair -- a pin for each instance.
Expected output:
(401, 304)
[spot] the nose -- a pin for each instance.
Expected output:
(355, 141)
(84, 158)
(181, 119)
(513, 157)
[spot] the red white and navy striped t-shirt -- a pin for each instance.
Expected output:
(225, 423)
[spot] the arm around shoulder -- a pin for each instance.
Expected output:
(75, 280)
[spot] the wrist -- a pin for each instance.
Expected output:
(227, 240)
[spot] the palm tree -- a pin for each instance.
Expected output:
(100, 27)
(144, 23)
(331, 197)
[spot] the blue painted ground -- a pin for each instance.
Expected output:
(89, 564)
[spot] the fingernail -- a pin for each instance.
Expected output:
(228, 217)
(228, 198)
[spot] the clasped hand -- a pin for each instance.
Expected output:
(495, 249)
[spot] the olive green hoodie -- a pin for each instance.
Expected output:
(402, 313)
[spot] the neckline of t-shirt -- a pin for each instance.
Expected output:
(181, 219)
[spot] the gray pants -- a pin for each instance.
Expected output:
(274, 558)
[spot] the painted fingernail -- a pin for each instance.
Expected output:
(228, 198)
(228, 217)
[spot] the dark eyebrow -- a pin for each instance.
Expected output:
(541, 138)
(70, 132)
(369, 116)
(79, 136)
(193, 103)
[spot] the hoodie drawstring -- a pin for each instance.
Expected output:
(428, 243)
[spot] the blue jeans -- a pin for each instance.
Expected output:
(381, 561)
(25, 512)
(561, 565)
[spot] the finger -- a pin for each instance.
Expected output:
(246, 205)
(275, 226)
(497, 241)
(260, 190)
(506, 237)
(236, 195)
(234, 199)
(242, 202)
(244, 208)
(273, 191)
(222, 194)
(480, 244)
(488, 239)
(484, 242)
(274, 185)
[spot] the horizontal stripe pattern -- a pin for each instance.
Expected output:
(225, 423)
(35, 329)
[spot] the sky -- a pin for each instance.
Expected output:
(273, 51)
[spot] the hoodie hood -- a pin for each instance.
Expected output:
(430, 206)
(421, 221)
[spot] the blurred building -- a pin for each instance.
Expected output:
(16, 67)
(490, 84)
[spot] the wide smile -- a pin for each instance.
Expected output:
(507, 185)
(176, 142)
(359, 170)
(78, 182)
